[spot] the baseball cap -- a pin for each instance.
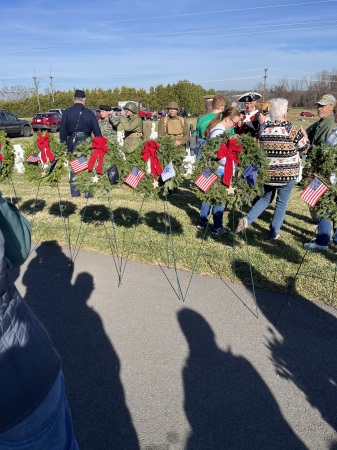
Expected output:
(327, 99)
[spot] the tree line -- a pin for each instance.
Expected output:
(305, 92)
(302, 92)
(188, 96)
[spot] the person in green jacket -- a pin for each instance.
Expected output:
(132, 125)
(34, 411)
(320, 130)
(16, 231)
(318, 133)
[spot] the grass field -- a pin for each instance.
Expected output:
(274, 263)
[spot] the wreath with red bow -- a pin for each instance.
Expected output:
(100, 155)
(242, 152)
(7, 157)
(153, 157)
(51, 161)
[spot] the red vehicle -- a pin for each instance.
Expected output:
(307, 114)
(47, 121)
(145, 113)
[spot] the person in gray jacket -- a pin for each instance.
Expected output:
(34, 413)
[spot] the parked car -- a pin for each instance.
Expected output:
(59, 111)
(12, 125)
(145, 113)
(307, 114)
(47, 121)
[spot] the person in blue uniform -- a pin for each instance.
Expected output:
(78, 124)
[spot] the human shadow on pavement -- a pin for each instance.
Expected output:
(227, 403)
(306, 351)
(90, 363)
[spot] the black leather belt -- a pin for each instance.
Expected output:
(79, 133)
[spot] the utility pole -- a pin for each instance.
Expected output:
(264, 83)
(36, 84)
(52, 87)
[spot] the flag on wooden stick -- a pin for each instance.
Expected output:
(134, 177)
(206, 179)
(79, 164)
(314, 191)
(34, 158)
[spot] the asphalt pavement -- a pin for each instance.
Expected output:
(146, 370)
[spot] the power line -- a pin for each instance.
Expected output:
(203, 37)
(173, 16)
(216, 30)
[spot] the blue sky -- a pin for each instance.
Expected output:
(142, 43)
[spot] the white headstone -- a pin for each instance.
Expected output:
(154, 133)
(19, 158)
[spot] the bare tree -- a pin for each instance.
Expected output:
(12, 93)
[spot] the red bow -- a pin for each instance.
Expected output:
(149, 151)
(229, 149)
(99, 144)
(43, 144)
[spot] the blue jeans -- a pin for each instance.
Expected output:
(217, 211)
(283, 193)
(324, 231)
(48, 427)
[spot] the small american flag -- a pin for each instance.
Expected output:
(206, 179)
(34, 158)
(314, 191)
(134, 177)
(78, 164)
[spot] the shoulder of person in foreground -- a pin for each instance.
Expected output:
(16, 232)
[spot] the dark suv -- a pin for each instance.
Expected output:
(47, 121)
(12, 125)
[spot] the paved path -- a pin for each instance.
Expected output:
(145, 370)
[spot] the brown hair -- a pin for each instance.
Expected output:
(230, 112)
(218, 101)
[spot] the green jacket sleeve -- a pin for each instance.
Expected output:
(16, 231)
(114, 120)
(135, 124)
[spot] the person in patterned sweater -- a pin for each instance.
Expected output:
(283, 144)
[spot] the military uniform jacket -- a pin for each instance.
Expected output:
(133, 129)
(177, 127)
(87, 124)
(108, 126)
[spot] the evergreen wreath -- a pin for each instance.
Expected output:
(322, 162)
(243, 192)
(50, 172)
(167, 152)
(7, 157)
(92, 182)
